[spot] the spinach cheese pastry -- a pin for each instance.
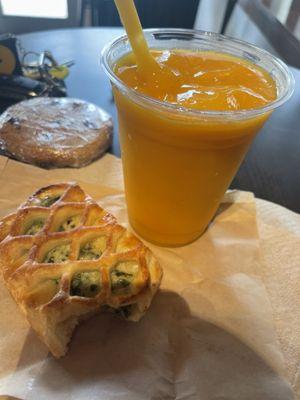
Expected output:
(64, 258)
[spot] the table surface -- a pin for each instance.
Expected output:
(272, 167)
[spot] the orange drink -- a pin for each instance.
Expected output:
(185, 130)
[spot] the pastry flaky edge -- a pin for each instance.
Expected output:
(52, 311)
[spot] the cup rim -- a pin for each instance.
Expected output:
(238, 114)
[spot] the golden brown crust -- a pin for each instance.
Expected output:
(63, 258)
(55, 132)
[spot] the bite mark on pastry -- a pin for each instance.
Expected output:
(59, 278)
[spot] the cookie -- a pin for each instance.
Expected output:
(55, 132)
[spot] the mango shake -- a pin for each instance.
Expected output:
(188, 111)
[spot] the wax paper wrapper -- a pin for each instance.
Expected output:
(209, 334)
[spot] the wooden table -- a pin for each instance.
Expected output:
(272, 167)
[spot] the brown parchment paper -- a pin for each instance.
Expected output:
(209, 333)
(279, 232)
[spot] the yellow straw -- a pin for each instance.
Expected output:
(131, 22)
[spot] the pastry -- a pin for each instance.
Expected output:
(64, 258)
(55, 132)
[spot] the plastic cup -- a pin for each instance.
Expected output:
(179, 162)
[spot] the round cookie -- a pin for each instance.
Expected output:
(55, 132)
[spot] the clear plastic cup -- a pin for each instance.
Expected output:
(179, 162)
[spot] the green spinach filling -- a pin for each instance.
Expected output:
(92, 250)
(58, 254)
(35, 227)
(120, 279)
(48, 201)
(85, 284)
(70, 223)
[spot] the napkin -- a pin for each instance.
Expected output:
(217, 329)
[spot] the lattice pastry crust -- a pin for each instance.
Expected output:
(64, 258)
